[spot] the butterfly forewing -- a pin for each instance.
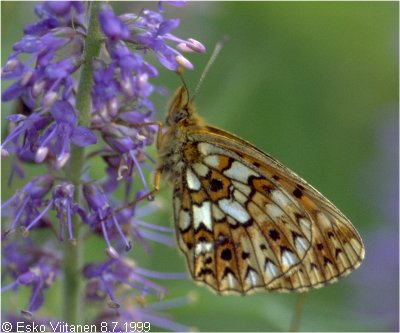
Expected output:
(244, 221)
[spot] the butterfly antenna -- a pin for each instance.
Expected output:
(184, 85)
(216, 51)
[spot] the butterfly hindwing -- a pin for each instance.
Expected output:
(246, 230)
(335, 246)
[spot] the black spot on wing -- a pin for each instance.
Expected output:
(327, 261)
(297, 193)
(274, 234)
(227, 271)
(226, 254)
(216, 185)
(245, 255)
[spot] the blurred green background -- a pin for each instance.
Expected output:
(314, 84)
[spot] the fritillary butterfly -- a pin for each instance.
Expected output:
(243, 220)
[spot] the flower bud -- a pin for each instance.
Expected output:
(25, 79)
(41, 154)
(49, 99)
(182, 61)
(61, 161)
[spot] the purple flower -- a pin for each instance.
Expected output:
(56, 14)
(149, 30)
(62, 201)
(152, 31)
(123, 81)
(101, 216)
(105, 277)
(24, 204)
(114, 101)
(111, 25)
(129, 144)
(57, 137)
(25, 134)
(46, 76)
(32, 267)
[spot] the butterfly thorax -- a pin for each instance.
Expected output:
(175, 147)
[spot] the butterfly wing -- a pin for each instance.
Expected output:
(235, 240)
(245, 221)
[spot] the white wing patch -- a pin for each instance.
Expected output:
(184, 219)
(281, 199)
(253, 279)
(202, 214)
(212, 161)
(274, 212)
(207, 149)
(288, 258)
(301, 245)
(234, 209)
(271, 269)
(240, 197)
(239, 172)
(200, 169)
(192, 180)
(245, 189)
(203, 247)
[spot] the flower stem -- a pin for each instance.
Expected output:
(72, 294)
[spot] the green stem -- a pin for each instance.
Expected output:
(73, 253)
(295, 324)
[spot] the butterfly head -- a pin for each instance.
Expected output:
(181, 110)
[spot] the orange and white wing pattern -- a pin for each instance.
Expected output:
(246, 222)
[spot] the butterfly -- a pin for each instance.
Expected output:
(243, 220)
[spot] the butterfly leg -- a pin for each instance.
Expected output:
(157, 176)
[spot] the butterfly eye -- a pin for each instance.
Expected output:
(179, 115)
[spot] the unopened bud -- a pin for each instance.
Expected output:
(191, 45)
(49, 99)
(112, 253)
(25, 79)
(182, 61)
(143, 80)
(37, 88)
(196, 46)
(41, 154)
(112, 107)
(4, 153)
(61, 161)
(126, 85)
(9, 66)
